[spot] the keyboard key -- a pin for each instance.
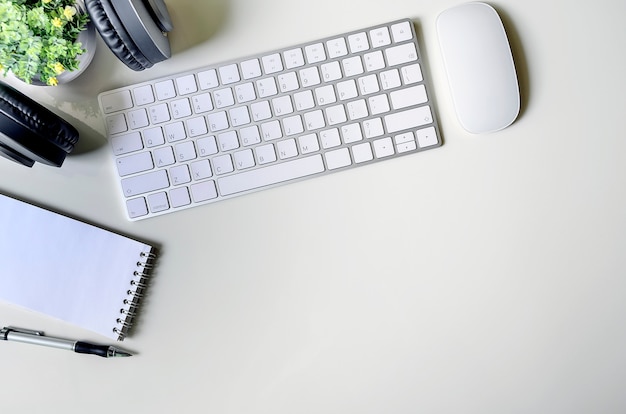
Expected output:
(136, 207)
(330, 138)
(185, 151)
(338, 158)
(201, 170)
(117, 101)
(337, 47)
(203, 191)
(153, 137)
(357, 109)
(266, 87)
(310, 76)
(288, 82)
(239, 116)
(335, 114)
(347, 90)
(186, 85)
(138, 119)
(401, 32)
(315, 53)
(408, 97)
(368, 84)
(331, 71)
(303, 100)
(380, 37)
(222, 164)
(207, 146)
(196, 126)
(274, 174)
(116, 124)
(272, 63)
(358, 42)
(179, 174)
(412, 118)
(265, 154)
(164, 156)
(245, 92)
(374, 61)
(351, 133)
(229, 74)
(223, 98)
(165, 90)
(379, 104)
(426, 137)
(250, 135)
(134, 163)
(352, 66)
(412, 74)
(293, 58)
(175, 132)
(293, 125)
(141, 184)
(181, 108)
(398, 55)
(261, 110)
(159, 114)
(143, 95)
(362, 152)
(228, 141)
(325, 95)
(158, 202)
(314, 120)
(287, 149)
(251, 69)
(271, 130)
(406, 147)
(373, 128)
(308, 143)
(244, 159)
(217, 121)
(383, 147)
(390, 79)
(123, 144)
(208, 79)
(179, 197)
(202, 103)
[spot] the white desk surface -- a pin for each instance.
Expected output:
(486, 276)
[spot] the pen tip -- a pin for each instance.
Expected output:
(114, 352)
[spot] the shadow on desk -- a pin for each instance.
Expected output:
(195, 21)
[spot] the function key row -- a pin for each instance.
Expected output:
(253, 68)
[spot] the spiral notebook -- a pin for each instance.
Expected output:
(71, 270)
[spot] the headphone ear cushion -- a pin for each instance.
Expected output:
(114, 34)
(33, 131)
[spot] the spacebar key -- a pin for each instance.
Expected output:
(273, 174)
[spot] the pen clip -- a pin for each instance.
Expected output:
(5, 331)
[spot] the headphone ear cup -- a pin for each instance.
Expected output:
(131, 30)
(29, 132)
(114, 35)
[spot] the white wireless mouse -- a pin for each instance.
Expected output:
(479, 66)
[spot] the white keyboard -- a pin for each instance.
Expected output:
(225, 130)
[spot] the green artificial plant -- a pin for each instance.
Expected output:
(38, 38)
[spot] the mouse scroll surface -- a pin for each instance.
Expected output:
(479, 67)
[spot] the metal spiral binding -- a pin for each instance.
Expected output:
(138, 285)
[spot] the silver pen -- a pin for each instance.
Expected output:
(27, 336)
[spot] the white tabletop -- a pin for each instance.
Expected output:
(484, 276)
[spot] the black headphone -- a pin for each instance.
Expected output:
(134, 30)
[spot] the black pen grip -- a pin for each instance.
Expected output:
(86, 348)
